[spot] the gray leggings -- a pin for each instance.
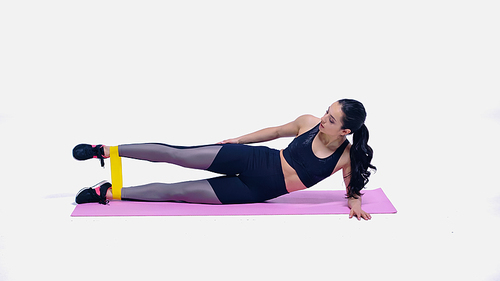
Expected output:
(250, 174)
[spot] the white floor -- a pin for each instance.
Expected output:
(198, 72)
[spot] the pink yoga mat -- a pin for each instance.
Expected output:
(304, 202)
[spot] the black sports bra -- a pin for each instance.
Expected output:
(309, 168)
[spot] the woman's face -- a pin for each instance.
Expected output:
(331, 122)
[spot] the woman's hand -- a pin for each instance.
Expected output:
(229, 141)
(358, 213)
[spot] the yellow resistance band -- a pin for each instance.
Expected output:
(116, 172)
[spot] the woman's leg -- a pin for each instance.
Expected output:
(197, 157)
(224, 159)
(253, 174)
(219, 190)
(199, 191)
(229, 159)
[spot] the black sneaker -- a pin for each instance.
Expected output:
(87, 151)
(89, 195)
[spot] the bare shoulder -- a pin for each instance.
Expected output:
(306, 122)
(298, 126)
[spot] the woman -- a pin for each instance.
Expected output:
(255, 173)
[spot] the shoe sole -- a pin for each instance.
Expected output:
(85, 188)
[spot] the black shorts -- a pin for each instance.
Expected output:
(252, 174)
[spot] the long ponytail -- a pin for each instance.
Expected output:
(361, 157)
(361, 153)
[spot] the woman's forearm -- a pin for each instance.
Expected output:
(263, 135)
(288, 130)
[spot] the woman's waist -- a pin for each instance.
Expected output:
(292, 180)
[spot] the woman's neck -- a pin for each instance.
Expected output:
(331, 142)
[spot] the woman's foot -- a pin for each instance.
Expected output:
(95, 194)
(87, 151)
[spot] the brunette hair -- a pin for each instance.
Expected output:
(361, 153)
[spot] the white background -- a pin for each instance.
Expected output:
(197, 72)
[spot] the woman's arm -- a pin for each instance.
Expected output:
(354, 203)
(288, 130)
